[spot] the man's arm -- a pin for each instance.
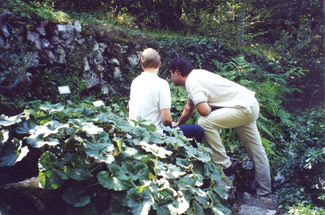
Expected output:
(203, 108)
(187, 113)
(166, 117)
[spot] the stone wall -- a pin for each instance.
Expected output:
(104, 54)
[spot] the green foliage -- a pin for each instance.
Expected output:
(301, 209)
(98, 153)
(200, 51)
(303, 167)
(36, 11)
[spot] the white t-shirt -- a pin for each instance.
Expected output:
(149, 94)
(205, 86)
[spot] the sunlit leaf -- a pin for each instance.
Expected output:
(12, 152)
(155, 150)
(51, 174)
(181, 206)
(169, 170)
(52, 107)
(7, 121)
(102, 148)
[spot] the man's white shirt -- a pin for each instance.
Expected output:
(205, 86)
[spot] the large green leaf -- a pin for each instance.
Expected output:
(34, 113)
(38, 134)
(184, 163)
(80, 170)
(25, 128)
(50, 108)
(121, 123)
(187, 182)
(140, 203)
(180, 206)
(101, 148)
(102, 117)
(197, 209)
(88, 127)
(156, 137)
(114, 183)
(38, 141)
(137, 171)
(12, 152)
(7, 121)
(76, 196)
(169, 171)
(51, 172)
(88, 112)
(216, 205)
(155, 150)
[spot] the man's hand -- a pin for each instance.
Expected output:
(174, 124)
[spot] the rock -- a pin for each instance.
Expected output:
(55, 40)
(252, 210)
(100, 68)
(117, 72)
(81, 41)
(248, 204)
(28, 183)
(115, 61)
(41, 28)
(50, 55)
(257, 201)
(102, 47)
(134, 60)
(98, 59)
(35, 39)
(61, 28)
(86, 64)
(123, 49)
(45, 44)
(77, 26)
(91, 79)
(4, 30)
(60, 55)
(96, 47)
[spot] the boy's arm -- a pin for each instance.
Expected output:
(166, 117)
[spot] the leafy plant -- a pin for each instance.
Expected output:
(97, 154)
(304, 161)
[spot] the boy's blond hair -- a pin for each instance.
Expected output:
(150, 58)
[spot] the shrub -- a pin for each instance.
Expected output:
(93, 156)
(304, 160)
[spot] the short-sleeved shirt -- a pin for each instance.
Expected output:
(149, 95)
(205, 86)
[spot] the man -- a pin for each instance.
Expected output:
(223, 104)
(150, 98)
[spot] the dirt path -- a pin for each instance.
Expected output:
(247, 204)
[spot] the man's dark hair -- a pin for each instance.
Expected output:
(182, 64)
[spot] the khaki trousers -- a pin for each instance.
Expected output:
(244, 122)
